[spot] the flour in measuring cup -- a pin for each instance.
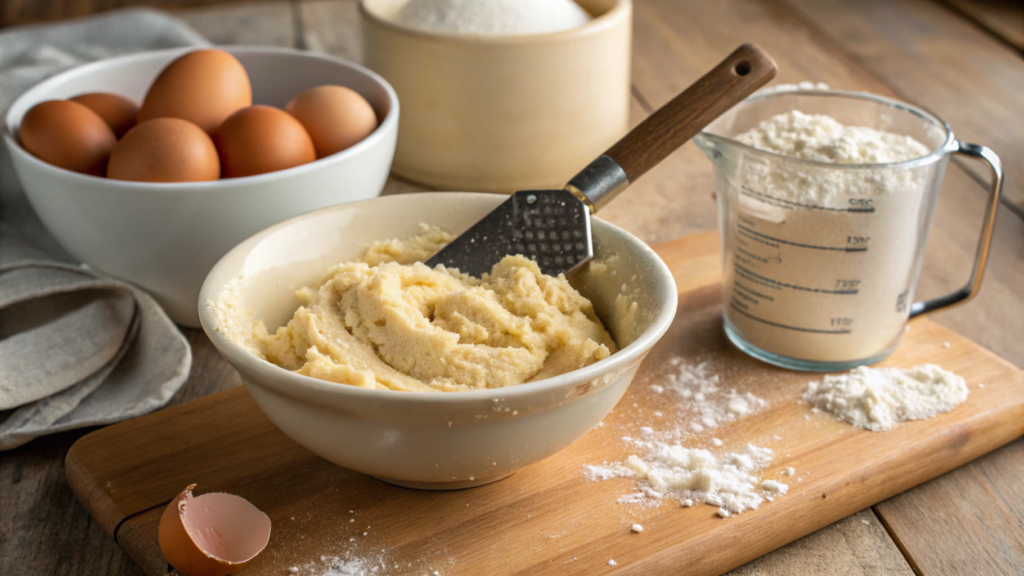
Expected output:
(821, 258)
(823, 139)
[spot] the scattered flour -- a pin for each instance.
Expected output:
(671, 470)
(878, 398)
(774, 486)
(820, 261)
(337, 566)
(728, 481)
(700, 387)
(493, 17)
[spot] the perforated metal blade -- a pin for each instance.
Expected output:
(552, 227)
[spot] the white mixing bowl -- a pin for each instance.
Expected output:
(432, 440)
(166, 237)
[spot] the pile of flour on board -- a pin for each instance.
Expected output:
(820, 260)
(493, 17)
(695, 475)
(729, 481)
(878, 398)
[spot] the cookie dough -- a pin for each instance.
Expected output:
(390, 322)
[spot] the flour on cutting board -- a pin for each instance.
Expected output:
(700, 387)
(729, 481)
(691, 475)
(371, 565)
(879, 398)
(344, 566)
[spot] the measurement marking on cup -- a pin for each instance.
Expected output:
(777, 325)
(748, 232)
(756, 239)
(755, 277)
(749, 192)
(743, 288)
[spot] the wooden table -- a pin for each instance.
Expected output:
(960, 59)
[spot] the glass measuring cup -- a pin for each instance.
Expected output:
(821, 260)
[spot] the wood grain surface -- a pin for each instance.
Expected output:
(547, 519)
(1003, 18)
(43, 530)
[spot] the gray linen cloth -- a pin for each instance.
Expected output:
(77, 348)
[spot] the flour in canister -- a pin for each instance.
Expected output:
(493, 17)
(879, 398)
(821, 259)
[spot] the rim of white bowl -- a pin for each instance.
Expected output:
(292, 381)
(389, 124)
(595, 25)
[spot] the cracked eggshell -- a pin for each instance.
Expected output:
(212, 534)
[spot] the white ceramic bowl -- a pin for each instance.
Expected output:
(166, 237)
(425, 440)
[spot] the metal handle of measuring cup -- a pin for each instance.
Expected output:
(964, 294)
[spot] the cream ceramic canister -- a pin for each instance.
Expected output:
(503, 113)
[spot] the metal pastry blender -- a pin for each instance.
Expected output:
(552, 227)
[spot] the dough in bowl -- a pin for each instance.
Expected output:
(388, 321)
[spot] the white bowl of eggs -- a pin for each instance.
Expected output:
(150, 167)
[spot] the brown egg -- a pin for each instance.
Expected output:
(67, 135)
(118, 112)
(261, 139)
(164, 150)
(212, 534)
(203, 87)
(335, 117)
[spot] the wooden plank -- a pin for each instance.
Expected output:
(332, 26)
(855, 545)
(1003, 18)
(265, 23)
(537, 516)
(980, 504)
(931, 57)
(43, 529)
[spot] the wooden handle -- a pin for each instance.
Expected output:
(672, 125)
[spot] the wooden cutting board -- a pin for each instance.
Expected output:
(547, 519)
